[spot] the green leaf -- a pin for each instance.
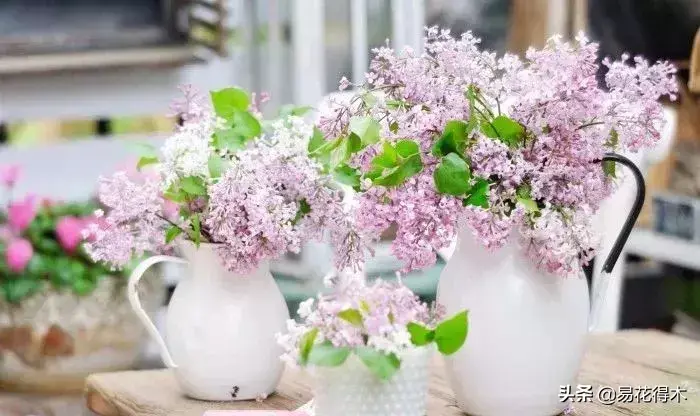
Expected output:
(245, 124)
(453, 139)
(175, 195)
(216, 166)
(348, 176)
(351, 315)
(317, 140)
(83, 286)
(369, 99)
(304, 208)
(395, 104)
(16, 290)
(229, 100)
(610, 168)
(451, 334)
(509, 131)
(613, 139)
(389, 158)
(326, 355)
(420, 335)
(145, 161)
(366, 128)
(398, 174)
(382, 365)
(229, 139)
(524, 197)
(143, 149)
(394, 126)
(407, 148)
(306, 342)
(452, 175)
(193, 185)
(478, 194)
(196, 229)
(292, 110)
(172, 233)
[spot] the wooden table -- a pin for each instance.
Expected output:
(628, 358)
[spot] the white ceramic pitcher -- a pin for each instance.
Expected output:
(528, 329)
(220, 327)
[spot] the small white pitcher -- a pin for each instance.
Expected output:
(353, 390)
(220, 327)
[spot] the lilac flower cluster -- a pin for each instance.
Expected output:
(542, 169)
(383, 311)
(220, 179)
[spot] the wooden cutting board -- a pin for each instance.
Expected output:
(628, 358)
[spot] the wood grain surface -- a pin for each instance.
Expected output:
(629, 359)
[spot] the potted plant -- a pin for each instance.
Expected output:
(369, 347)
(512, 157)
(231, 192)
(61, 315)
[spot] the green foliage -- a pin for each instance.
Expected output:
(193, 186)
(454, 139)
(292, 110)
(216, 166)
(524, 197)
(326, 355)
(420, 335)
(348, 176)
(478, 194)
(351, 315)
(451, 334)
(366, 128)
(396, 163)
(452, 175)
(382, 365)
(232, 104)
(610, 168)
(172, 233)
(51, 266)
(229, 101)
(306, 343)
(304, 208)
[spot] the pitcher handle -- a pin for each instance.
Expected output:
(136, 304)
(601, 287)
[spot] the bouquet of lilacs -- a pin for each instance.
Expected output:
(229, 179)
(377, 322)
(456, 136)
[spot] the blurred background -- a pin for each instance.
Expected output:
(80, 79)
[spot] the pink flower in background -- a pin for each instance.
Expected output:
(18, 254)
(69, 232)
(21, 213)
(9, 175)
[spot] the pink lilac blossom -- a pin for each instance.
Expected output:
(386, 309)
(273, 198)
(133, 225)
(270, 199)
(570, 122)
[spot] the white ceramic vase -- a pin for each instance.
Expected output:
(527, 331)
(220, 327)
(352, 390)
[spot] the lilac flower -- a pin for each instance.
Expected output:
(385, 308)
(546, 187)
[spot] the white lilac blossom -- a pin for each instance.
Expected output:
(383, 312)
(220, 179)
(500, 144)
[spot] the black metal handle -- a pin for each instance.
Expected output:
(634, 212)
